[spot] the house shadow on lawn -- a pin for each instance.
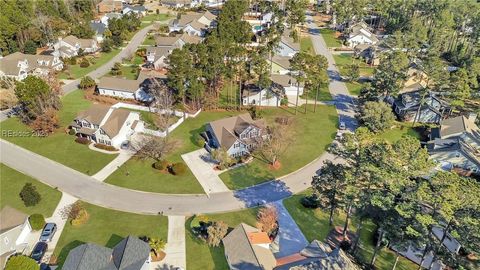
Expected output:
(113, 240)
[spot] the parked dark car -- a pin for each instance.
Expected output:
(48, 232)
(38, 251)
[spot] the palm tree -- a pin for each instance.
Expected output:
(157, 245)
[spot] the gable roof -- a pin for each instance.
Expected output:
(11, 218)
(9, 63)
(89, 256)
(166, 41)
(115, 122)
(283, 61)
(98, 27)
(242, 254)
(83, 42)
(190, 39)
(287, 40)
(226, 130)
(159, 51)
(118, 84)
(94, 114)
(455, 125)
(130, 254)
(284, 80)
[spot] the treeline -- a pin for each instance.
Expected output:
(29, 24)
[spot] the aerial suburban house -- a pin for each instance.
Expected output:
(422, 107)
(156, 56)
(180, 3)
(286, 84)
(176, 41)
(370, 54)
(130, 254)
(254, 96)
(122, 88)
(108, 16)
(195, 24)
(99, 29)
(107, 6)
(18, 66)
(14, 230)
(456, 144)
(287, 46)
(317, 255)
(247, 248)
(138, 10)
(360, 34)
(107, 125)
(279, 64)
(238, 135)
(70, 46)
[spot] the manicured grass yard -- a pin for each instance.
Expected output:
(199, 255)
(400, 129)
(107, 227)
(330, 39)
(12, 183)
(60, 146)
(345, 59)
(156, 17)
(139, 174)
(314, 132)
(354, 87)
(149, 40)
(314, 225)
(306, 45)
(323, 94)
(129, 72)
(77, 72)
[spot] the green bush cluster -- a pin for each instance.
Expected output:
(105, 147)
(72, 132)
(21, 262)
(37, 221)
(161, 165)
(82, 140)
(30, 195)
(178, 168)
(84, 63)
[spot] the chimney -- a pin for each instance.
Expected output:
(472, 117)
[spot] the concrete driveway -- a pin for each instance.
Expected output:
(111, 167)
(202, 168)
(176, 247)
(292, 239)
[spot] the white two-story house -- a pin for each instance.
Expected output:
(287, 46)
(18, 66)
(14, 231)
(238, 135)
(360, 34)
(107, 125)
(70, 46)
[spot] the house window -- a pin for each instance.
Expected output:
(102, 132)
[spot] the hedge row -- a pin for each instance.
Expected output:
(105, 147)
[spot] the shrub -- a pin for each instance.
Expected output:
(37, 221)
(84, 63)
(284, 102)
(216, 232)
(310, 201)
(82, 140)
(30, 195)
(105, 147)
(72, 61)
(21, 262)
(81, 218)
(161, 165)
(72, 132)
(87, 82)
(179, 168)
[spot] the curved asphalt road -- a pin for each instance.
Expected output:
(92, 191)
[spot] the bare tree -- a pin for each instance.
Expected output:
(275, 143)
(153, 147)
(163, 104)
(216, 232)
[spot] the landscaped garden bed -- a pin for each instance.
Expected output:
(60, 146)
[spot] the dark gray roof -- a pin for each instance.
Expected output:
(89, 256)
(337, 259)
(130, 254)
(98, 27)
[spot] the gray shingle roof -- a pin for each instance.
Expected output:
(131, 253)
(11, 218)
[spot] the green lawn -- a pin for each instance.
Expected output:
(229, 94)
(107, 227)
(12, 183)
(323, 94)
(60, 146)
(156, 17)
(199, 255)
(314, 132)
(149, 40)
(139, 174)
(343, 60)
(77, 72)
(314, 225)
(306, 45)
(400, 129)
(354, 87)
(129, 72)
(329, 37)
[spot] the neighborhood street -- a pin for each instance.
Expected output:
(132, 46)
(88, 189)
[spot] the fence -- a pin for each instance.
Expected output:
(149, 109)
(163, 133)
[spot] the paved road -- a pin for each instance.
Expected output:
(88, 189)
(104, 69)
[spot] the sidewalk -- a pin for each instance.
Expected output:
(58, 219)
(204, 172)
(175, 248)
(113, 165)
